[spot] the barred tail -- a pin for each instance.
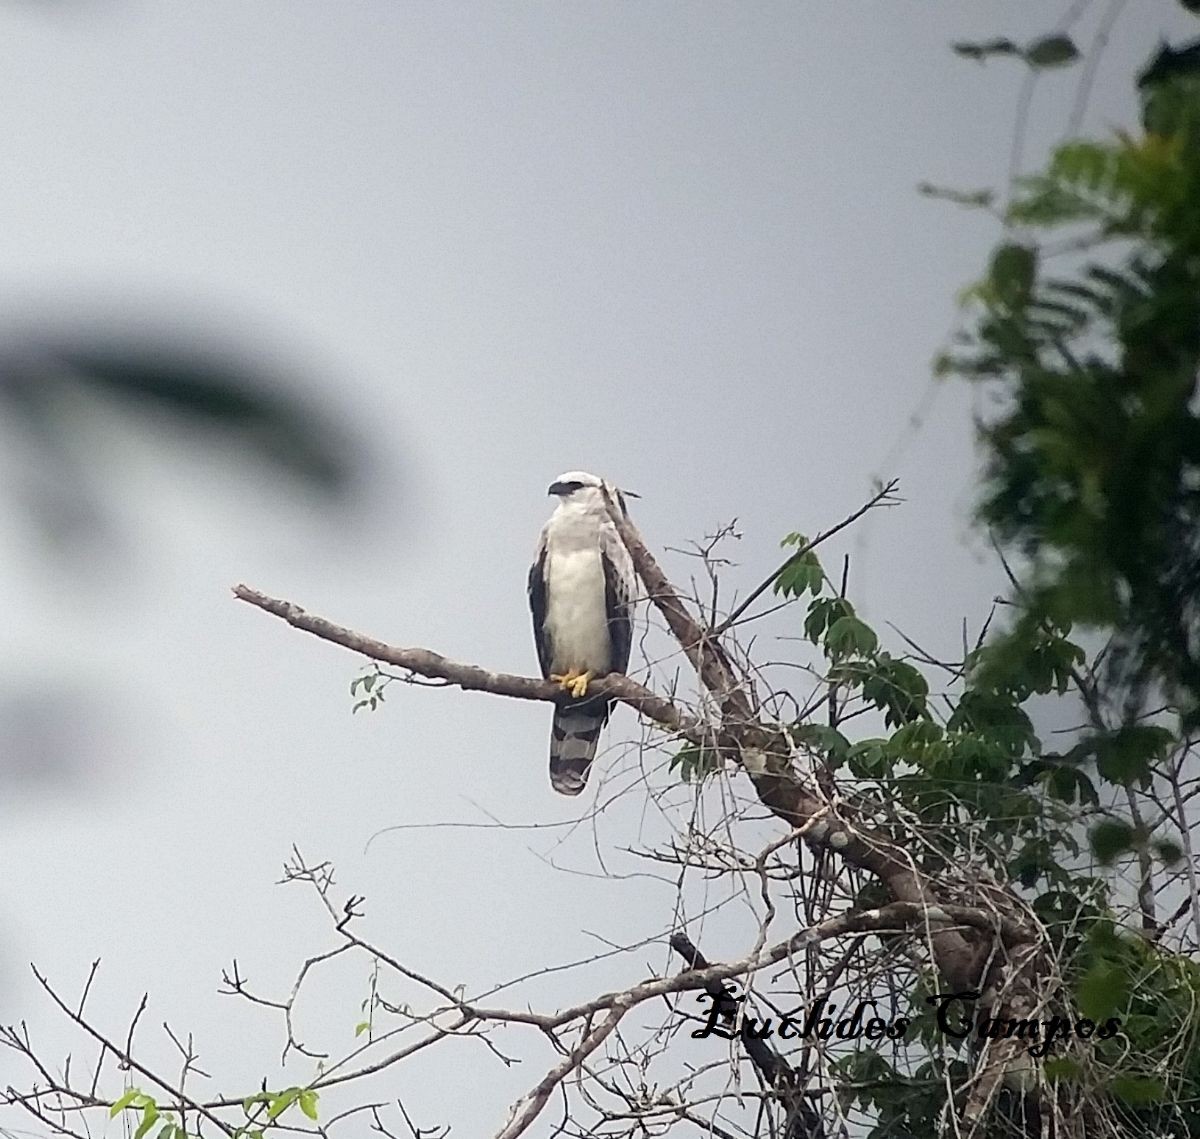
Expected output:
(573, 740)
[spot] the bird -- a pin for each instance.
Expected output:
(582, 586)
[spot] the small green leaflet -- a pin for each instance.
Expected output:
(1110, 839)
(1051, 51)
(132, 1098)
(149, 1118)
(282, 1102)
(848, 636)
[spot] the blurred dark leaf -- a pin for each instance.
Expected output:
(1172, 63)
(1110, 839)
(50, 386)
(204, 390)
(982, 50)
(1051, 51)
(973, 199)
(1102, 990)
(225, 396)
(1093, 451)
(48, 736)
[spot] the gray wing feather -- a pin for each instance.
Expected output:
(618, 603)
(620, 589)
(537, 606)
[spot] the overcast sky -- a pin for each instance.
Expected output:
(676, 244)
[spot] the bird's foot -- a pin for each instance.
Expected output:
(576, 683)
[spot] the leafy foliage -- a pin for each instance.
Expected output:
(213, 395)
(694, 764)
(1093, 477)
(372, 686)
(1093, 465)
(1047, 51)
(802, 573)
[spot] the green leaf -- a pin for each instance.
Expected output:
(1126, 756)
(1087, 790)
(1102, 991)
(361, 1027)
(913, 738)
(848, 636)
(149, 1118)
(1062, 783)
(1051, 51)
(802, 575)
(1011, 275)
(1110, 839)
(1058, 1067)
(694, 763)
(1138, 1089)
(868, 759)
(996, 717)
(121, 1104)
(822, 738)
(822, 613)
(1033, 860)
(282, 1102)
(1168, 851)
(308, 1103)
(897, 688)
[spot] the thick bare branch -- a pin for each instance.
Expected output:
(985, 956)
(764, 752)
(471, 677)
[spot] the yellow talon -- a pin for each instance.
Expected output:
(574, 682)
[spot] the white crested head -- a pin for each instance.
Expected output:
(582, 490)
(576, 486)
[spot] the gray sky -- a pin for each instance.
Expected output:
(677, 244)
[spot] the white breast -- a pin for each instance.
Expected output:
(576, 618)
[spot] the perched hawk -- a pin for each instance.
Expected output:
(581, 590)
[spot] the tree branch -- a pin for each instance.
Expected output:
(473, 678)
(765, 754)
(885, 497)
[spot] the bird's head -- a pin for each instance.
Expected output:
(579, 488)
